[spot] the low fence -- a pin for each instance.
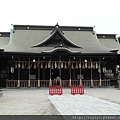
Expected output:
(44, 83)
(77, 89)
(105, 83)
(65, 83)
(75, 82)
(96, 83)
(24, 83)
(55, 90)
(86, 83)
(11, 83)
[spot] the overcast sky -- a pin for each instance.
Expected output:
(103, 14)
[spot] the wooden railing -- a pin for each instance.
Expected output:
(44, 83)
(86, 83)
(11, 83)
(34, 83)
(106, 83)
(65, 83)
(23, 83)
(96, 83)
(75, 82)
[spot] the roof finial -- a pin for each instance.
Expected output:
(57, 26)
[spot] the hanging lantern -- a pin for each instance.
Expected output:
(12, 69)
(55, 65)
(72, 66)
(65, 66)
(85, 63)
(52, 67)
(104, 69)
(34, 66)
(45, 65)
(59, 65)
(76, 66)
(83, 66)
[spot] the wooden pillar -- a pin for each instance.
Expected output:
(69, 73)
(100, 72)
(18, 83)
(43, 70)
(60, 71)
(80, 71)
(91, 74)
(50, 82)
(29, 73)
(38, 72)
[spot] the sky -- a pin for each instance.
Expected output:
(103, 14)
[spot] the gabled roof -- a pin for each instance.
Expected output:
(56, 39)
(42, 39)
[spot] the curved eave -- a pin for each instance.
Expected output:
(44, 41)
(114, 51)
(1, 51)
(66, 39)
(61, 49)
(52, 35)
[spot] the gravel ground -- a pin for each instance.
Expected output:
(109, 94)
(26, 102)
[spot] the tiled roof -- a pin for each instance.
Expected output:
(23, 40)
(4, 38)
(109, 40)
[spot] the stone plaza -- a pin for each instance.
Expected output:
(32, 101)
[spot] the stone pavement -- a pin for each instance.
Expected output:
(68, 104)
(95, 101)
(33, 101)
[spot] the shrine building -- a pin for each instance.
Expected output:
(33, 56)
